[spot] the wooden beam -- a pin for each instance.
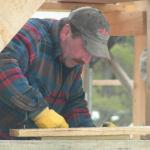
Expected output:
(49, 5)
(148, 66)
(13, 15)
(97, 1)
(75, 144)
(127, 24)
(58, 6)
(139, 99)
(106, 83)
(81, 132)
(122, 23)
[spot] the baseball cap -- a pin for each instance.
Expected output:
(94, 29)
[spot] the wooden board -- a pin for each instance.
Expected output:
(61, 6)
(147, 102)
(106, 83)
(50, 5)
(13, 15)
(81, 132)
(97, 1)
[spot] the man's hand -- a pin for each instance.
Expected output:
(48, 118)
(108, 124)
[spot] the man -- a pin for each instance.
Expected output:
(40, 71)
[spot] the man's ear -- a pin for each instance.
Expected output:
(65, 31)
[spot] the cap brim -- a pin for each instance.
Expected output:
(96, 48)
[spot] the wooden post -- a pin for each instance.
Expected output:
(139, 105)
(148, 66)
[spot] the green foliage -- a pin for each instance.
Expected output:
(124, 55)
(107, 100)
(114, 100)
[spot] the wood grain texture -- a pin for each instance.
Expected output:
(13, 15)
(139, 100)
(80, 132)
(148, 66)
(97, 1)
(66, 6)
(131, 23)
(76, 145)
(50, 5)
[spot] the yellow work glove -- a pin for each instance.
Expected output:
(108, 124)
(48, 118)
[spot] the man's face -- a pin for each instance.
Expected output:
(74, 52)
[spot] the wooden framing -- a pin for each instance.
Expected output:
(147, 109)
(106, 83)
(67, 6)
(58, 6)
(127, 24)
(116, 17)
(13, 14)
(139, 99)
(105, 138)
(97, 1)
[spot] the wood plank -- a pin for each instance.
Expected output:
(101, 137)
(148, 66)
(58, 6)
(106, 83)
(81, 132)
(75, 145)
(50, 5)
(127, 24)
(13, 14)
(139, 99)
(97, 1)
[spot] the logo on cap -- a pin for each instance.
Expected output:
(103, 32)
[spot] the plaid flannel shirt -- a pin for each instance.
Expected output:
(32, 78)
